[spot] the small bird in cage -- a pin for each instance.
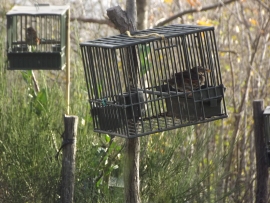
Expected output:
(192, 79)
(32, 38)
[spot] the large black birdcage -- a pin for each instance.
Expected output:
(36, 37)
(155, 80)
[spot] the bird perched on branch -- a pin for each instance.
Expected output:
(188, 80)
(31, 36)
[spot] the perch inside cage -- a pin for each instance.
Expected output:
(266, 118)
(138, 86)
(36, 37)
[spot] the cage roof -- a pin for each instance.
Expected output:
(124, 40)
(38, 9)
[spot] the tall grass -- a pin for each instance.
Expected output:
(29, 138)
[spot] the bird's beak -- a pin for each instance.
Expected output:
(207, 70)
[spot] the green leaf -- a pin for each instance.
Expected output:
(98, 182)
(107, 138)
(144, 51)
(40, 102)
(27, 76)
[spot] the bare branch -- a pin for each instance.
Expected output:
(131, 12)
(180, 14)
(93, 20)
(228, 51)
(142, 12)
(264, 5)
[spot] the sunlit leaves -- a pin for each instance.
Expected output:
(168, 1)
(207, 22)
(253, 22)
(194, 3)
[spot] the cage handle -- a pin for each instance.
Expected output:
(145, 36)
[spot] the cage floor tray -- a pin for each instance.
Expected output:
(35, 61)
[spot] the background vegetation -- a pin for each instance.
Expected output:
(212, 162)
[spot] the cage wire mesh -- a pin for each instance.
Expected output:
(139, 86)
(36, 37)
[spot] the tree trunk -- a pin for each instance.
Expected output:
(131, 171)
(142, 13)
(126, 21)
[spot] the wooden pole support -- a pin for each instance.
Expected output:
(131, 171)
(68, 61)
(260, 149)
(126, 21)
(68, 162)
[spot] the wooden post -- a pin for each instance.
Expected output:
(68, 162)
(132, 157)
(68, 61)
(126, 21)
(131, 171)
(261, 159)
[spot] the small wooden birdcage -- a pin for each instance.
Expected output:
(155, 80)
(266, 115)
(36, 37)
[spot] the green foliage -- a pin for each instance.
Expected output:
(145, 63)
(28, 143)
(96, 160)
(174, 169)
(39, 98)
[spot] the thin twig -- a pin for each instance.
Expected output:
(93, 20)
(264, 5)
(182, 13)
(35, 82)
(228, 51)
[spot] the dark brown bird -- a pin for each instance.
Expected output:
(31, 36)
(188, 80)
